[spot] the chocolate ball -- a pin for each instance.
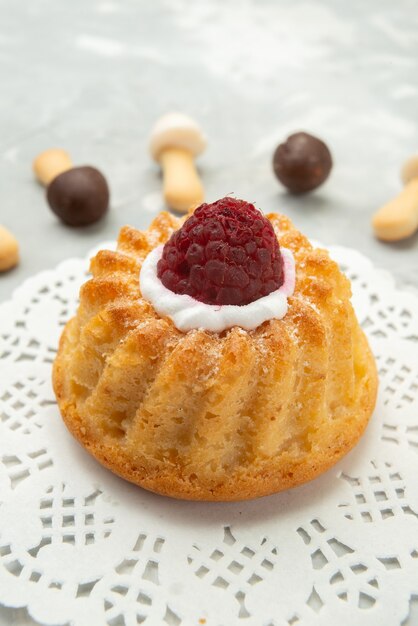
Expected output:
(302, 163)
(79, 196)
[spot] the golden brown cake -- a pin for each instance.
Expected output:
(214, 416)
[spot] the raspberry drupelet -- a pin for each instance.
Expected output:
(225, 253)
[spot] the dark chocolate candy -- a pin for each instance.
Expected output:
(302, 163)
(79, 196)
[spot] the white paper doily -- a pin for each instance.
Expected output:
(80, 546)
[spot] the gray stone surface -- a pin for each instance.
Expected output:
(92, 76)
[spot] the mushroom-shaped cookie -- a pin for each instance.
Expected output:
(9, 250)
(77, 195)
(175, 141)
(398, 218)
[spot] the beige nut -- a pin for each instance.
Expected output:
(398, 218)
(409, 169)
(9, 250)
(50, 163)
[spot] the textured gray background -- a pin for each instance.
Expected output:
(92, 76)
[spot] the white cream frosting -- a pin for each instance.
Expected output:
(188, 313)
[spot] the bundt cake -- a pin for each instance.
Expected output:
(164, 394)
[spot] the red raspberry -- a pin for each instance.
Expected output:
(225, 253)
